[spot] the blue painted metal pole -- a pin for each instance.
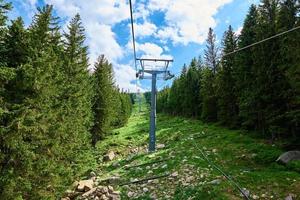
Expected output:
(153, 115)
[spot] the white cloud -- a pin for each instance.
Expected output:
(101, 40)
(239, 31)
(125, 80)
(99, 17)
(145, 29)
(187, 21)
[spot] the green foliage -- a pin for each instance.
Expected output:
(46, 106)
(256, 88)
(111, 107)
(226, 91)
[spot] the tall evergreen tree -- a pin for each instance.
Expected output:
(289, 63)
(32, 134)
(76, 94)
(211, 51)
(208, 96)
(244, 75)
(103, 103)
(268, 99)
(227, 98)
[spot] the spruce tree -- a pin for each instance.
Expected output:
(32, 140)
(211, 51)
(76, 95)
(103, 104)
(227, 99)
(244, 74)
(289, 64)
(208, 96)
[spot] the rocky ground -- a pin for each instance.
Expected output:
(177, 170)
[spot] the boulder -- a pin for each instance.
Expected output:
(109, 156)
(85, 185)
(289, 156)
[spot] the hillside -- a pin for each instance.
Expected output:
(248, 160)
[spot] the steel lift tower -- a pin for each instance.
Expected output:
(150, 68)
(153, 69)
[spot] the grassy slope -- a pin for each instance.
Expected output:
(247, 159)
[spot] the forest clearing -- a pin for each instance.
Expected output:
(248, 159)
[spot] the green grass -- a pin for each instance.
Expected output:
(248, 159)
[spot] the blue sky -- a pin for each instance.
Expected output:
(164, 28)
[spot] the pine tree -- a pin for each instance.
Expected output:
(289, 64)
(227, 99)
(76, 95)
(208, 96)
(268, 100)
(193, 89)
(208, 90)
(244, 75)
(211, 52)
(6, 73)
(33, 132)
(103, 103)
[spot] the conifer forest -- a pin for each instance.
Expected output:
(69, 132)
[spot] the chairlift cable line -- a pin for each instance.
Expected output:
(229, 178)
(133, 35)
(262, 41)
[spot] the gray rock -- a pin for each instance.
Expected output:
(215, 182)
(130, 194)
(160, 146)
(174, 174)
(90, 192)
(109, 156)
(93, 174)
(289, 156)
(85, 185)
(290, 197)
(145, 189)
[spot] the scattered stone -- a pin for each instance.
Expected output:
(134, 150)
(245, 192)
(145, 189)
(174, 174)
(289, 156)
(71, 194)
(215, 182)
(160, 146)
(164, 166)
(148, 167)
(110, 189)
(114, 180)
(109, 156)
(93, 174)
(75, 184)
(88, 193)
(65, 198)
(189, 179)
(130, 194)
(214, 150)
(116, 164)
(85, 185)
(290, 197)
(255, 197)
